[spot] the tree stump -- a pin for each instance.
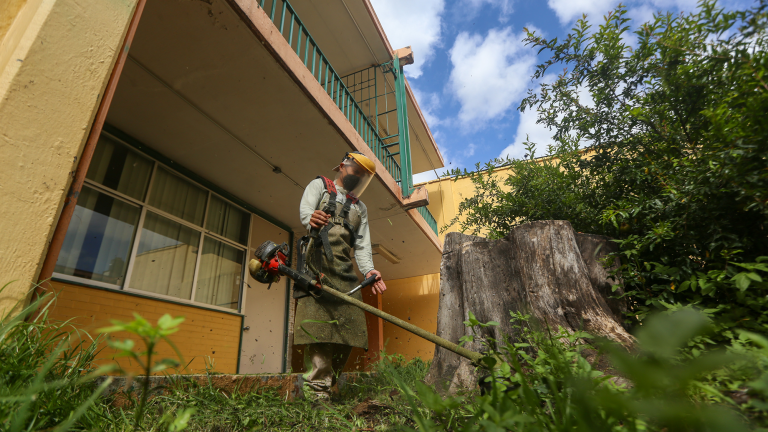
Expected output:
(541, 268)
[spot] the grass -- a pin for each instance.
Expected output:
(372, 403)
(541, 382)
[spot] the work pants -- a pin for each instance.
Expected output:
(324, 363)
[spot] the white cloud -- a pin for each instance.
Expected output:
(681, 5)
(425, 176)
(469, 150)
(489, 74)
(570, 10)
(640, 11)
(412, 23)
(642, 14)
(536, 133)
(504, 6)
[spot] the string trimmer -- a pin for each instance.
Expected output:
(271, 263)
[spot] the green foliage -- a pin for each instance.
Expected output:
(543, 382)
(676, 167)
(46, 374)
(266, 410)
(151, 336)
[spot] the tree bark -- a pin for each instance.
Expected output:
(594, 250)
(543, 269)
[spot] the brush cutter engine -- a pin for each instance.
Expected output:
(272, 261)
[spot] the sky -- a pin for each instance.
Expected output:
(472, 68)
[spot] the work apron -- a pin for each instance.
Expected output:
(328, 319)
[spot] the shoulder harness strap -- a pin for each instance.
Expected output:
(330, 187)
(344, 213)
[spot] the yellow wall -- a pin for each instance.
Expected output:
(205, 334)
(417, 299)
(414, 300)
(445, 196)
(8, 12)
(55, 60)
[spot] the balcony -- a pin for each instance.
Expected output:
(375, 107)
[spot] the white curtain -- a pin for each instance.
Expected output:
(165, 260)
(227, 220)
(119, 168)
(221, 269)
(176, 196)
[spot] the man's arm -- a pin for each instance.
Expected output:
(363, 253)
(309, 201)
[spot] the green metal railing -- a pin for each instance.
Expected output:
(397, 163)
(424, 212)
(295, 32)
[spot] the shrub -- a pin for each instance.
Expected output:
(676, 167)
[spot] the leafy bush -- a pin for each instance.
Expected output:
(676, 167)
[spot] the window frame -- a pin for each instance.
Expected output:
(144, 207)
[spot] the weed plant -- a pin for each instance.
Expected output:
(46, 372)
(370, 403)
(542, 382)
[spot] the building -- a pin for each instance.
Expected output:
(151, 145)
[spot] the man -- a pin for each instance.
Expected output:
(327, 326)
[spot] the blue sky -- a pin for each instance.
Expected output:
(472, 69)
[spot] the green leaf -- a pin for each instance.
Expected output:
(124, 345)
(742, 280)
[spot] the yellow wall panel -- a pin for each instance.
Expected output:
(414, 300)
(204, 335)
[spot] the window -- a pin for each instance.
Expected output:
(178, 197)
(221, 269)
(140, 226)
(99, 237)
(227, 220)
(165, 260)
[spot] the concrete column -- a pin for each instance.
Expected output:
(56, 57)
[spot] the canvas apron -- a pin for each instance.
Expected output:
(350, 327)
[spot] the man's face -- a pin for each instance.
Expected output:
(353, 169)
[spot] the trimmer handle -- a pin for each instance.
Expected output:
(371, 279)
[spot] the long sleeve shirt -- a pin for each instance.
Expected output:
(313, 194)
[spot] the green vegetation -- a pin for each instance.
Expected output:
(542, 381)
(677, 164)
(46, 372)
(47, 383)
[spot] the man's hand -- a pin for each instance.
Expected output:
(378, 287)
(319, 219)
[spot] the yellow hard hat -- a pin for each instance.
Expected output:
(361, 160)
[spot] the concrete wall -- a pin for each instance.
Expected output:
(205, 335)
(55, 59)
